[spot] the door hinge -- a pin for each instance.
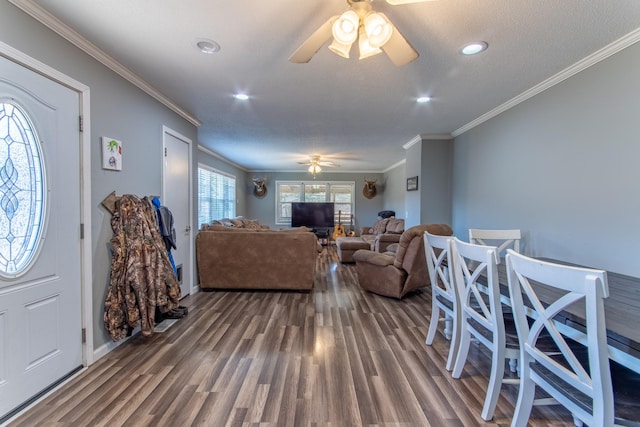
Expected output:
(84, 335)
(81, 231)
(165, 151)
(80, 124)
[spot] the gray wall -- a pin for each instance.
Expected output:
(563, 167)
(434, 183)
(413, 167)
(395, 184)
(118, 110)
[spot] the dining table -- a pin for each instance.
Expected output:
(622, 314)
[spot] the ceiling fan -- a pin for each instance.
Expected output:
(373, 30)
(314, 164)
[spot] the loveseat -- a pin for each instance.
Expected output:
(256, 258)
(378, 237)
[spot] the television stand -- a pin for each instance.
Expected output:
(322, 235)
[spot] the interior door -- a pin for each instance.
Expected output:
(40, 246)
(176, 196)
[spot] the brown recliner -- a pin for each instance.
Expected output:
(395, 275)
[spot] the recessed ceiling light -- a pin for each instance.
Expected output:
(474, 48)
(423, 99)
(241, 96)
(207, 46)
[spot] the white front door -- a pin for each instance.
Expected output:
(176, 195)
(40, 244)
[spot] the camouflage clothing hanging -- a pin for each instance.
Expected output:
(141, 274)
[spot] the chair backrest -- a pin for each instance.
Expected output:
(502, 239)
(565, 377)
(438, 254)
(475, 274)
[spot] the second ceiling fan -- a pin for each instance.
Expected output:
(373, 30)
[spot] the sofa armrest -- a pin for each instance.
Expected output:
(372, 257)
(365, 230)
(384, 240)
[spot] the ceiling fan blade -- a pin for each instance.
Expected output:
(310, 46)
(399, 49)
(397, 2)
(328, 164)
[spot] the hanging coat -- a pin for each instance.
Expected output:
(142, 278)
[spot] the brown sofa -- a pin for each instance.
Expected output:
(377, 238)
(396, 274)
(240, 258)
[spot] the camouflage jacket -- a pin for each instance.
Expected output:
(142, 277)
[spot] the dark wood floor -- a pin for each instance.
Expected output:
(335, 356)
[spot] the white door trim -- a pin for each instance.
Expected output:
(168, 131)
(85, 184)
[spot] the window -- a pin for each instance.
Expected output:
(339, 192)
(22, 191)
(216, 195)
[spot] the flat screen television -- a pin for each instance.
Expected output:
(312, 214)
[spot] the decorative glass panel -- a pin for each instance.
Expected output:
(22, 190)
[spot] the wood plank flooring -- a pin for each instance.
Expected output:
(334, 356)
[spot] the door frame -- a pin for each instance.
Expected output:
(84, 168)
(168, 131)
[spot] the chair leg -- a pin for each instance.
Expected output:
(463, 351)
(455, 344)
(433, 323)
(495, 384)
(526, 394)
(448, 321)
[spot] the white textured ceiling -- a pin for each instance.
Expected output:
(356, 113)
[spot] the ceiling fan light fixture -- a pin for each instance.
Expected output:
(378, 29)
(345, 29)
(366, 50)
(314, 169)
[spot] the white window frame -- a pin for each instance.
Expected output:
(286, 220)
(231, 203)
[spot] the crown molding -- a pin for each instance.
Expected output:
(413, 141)
(218, 156)
(600, 55)
(395, 165)
(38, 13)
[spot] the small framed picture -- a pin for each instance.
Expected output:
(412, 183)
(111, 154)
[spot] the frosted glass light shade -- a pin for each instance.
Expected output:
(345, 29)
(378, 29)
(340, 48)
(366, 50)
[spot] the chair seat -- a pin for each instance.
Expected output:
(625, 382)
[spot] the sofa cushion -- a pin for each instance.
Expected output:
(395, 226)
(380, 226)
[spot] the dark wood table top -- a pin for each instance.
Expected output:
(622, 312)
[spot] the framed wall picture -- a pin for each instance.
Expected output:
(111, 154)
(412, 183)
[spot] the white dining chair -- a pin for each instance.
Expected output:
(583, 387)
(444, 301)
(481, 316)
(502, 239)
